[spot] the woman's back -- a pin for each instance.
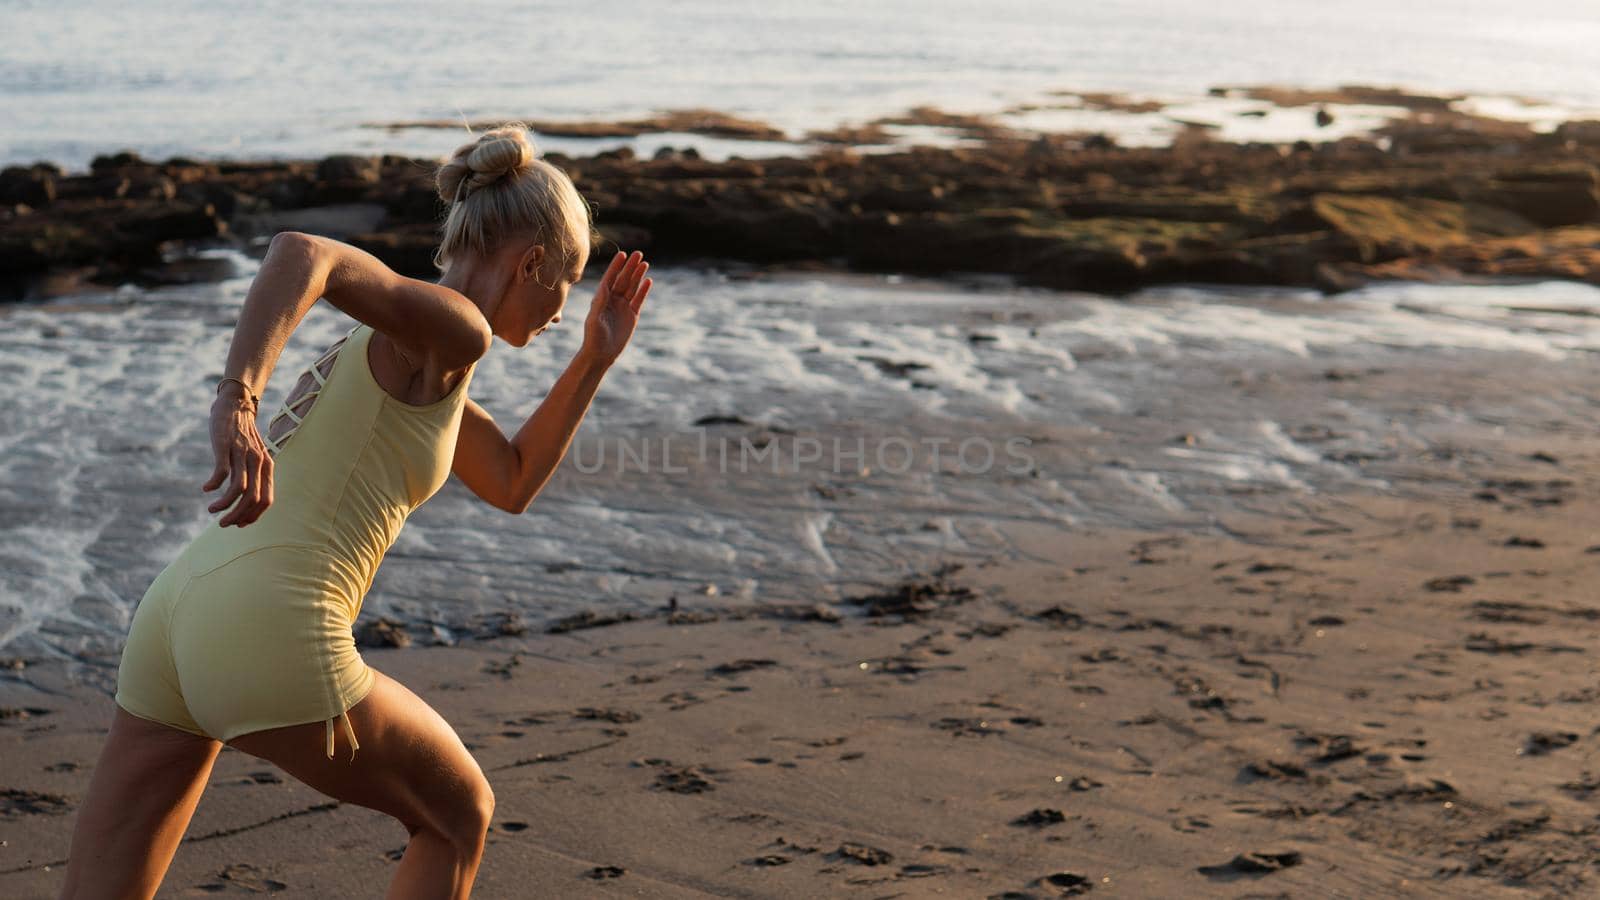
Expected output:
(351, 462)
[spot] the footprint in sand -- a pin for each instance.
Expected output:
(1252, 864)
(246, 876)
(968, 726)
(679, 779)
(617, 716)
(1068, 884)
(16, 802)
(1542, 742)
(1449, 583)
(738, 666)
(11, 715)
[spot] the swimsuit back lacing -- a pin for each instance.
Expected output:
(275, 442)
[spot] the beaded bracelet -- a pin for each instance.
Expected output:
(255, 401)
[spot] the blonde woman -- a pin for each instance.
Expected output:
(245, 638)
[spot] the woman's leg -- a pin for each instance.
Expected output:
(141, 796)
(410, 765)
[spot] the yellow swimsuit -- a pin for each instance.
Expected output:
(250, 628)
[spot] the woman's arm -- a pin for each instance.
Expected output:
(299, 268)
(428, 318)
(510, 473)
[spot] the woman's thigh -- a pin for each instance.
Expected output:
(411, 765)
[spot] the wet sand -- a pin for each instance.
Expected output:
(1384, 698)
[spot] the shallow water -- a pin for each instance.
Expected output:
(890, 424)
(221, 78)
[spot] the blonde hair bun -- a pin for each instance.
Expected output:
(497, 187)
(480, 163)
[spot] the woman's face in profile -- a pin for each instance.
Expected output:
(545, 296)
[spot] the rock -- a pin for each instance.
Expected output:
(226, 201)
(1584, 133)
(117, 162)
(414, 203)
(337, 220)
(1384, 228)
(155, 223)
(385, 632)
(626, 238)
(346, 167)
(1071, 268)
(408, 251)
(1567, 253)
(1178, 207)
(897, 195)
(34, 244)
(288, 193)
(1548, 197)
(33, 186)
(1433, 199)
(758, 235)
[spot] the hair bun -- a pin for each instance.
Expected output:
(480, 163)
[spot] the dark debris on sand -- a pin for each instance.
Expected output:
(18, 802)
(588, 619)
(861, 854)
(915, 597)
(382, 632)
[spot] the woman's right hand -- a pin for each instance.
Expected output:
(615, 310)
(241, 458)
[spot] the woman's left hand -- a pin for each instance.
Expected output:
(242, 458)
(616, 307)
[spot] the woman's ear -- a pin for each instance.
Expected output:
(532, 258)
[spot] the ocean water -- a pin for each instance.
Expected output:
(900, 424)
(223, 78)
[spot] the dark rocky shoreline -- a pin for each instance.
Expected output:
(1442, 197)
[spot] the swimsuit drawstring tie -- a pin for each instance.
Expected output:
(349, 731)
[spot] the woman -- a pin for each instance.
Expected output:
(245, 638)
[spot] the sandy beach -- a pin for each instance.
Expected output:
(1351, 693)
